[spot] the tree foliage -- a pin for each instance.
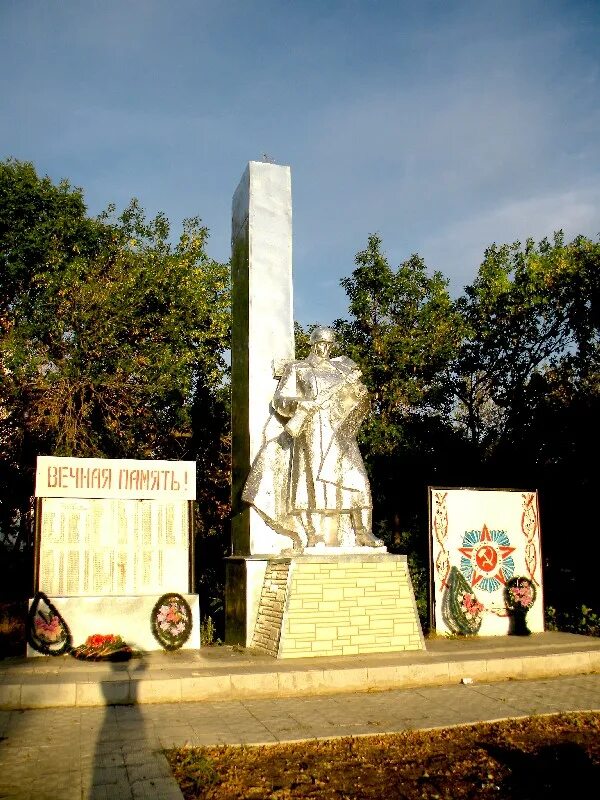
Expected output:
(403, 330)
(496, 389)
(527, 393)
(113, 338)
(531, 312)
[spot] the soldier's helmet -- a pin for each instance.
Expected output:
(322, 334)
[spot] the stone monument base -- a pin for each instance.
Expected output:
(128, 617)
(336, 605)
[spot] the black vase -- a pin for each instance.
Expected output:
(518, 622)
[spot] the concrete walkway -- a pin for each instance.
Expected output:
(87, 748)
(115, 753)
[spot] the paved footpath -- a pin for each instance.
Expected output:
(115, 752)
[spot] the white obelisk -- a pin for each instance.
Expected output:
(262, 340)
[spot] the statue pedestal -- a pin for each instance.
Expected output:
(335, 605)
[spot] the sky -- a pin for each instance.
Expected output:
(444, 126)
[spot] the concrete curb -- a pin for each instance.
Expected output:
(236, 675)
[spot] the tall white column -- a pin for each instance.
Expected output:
(262, 339)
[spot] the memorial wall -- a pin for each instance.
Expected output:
(113, 527)
(91, 547)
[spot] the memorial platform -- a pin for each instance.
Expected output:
(227, 673)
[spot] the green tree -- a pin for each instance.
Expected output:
(42, 227)
(301, 340)
(403, 331)
(112, 337)
(532, 310)
(497, 389)
(528, 393)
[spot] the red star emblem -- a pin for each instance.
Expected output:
(486, 557)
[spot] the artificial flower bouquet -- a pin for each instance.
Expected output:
(519, 594)
(471, 606)
(171, 621)
(103, 647)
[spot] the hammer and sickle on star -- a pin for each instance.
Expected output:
(486, 558)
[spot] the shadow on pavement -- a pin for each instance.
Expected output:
(121, 736)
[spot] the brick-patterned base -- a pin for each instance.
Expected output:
(267, 631)
(334, 605)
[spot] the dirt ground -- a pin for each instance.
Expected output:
(536, 757)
